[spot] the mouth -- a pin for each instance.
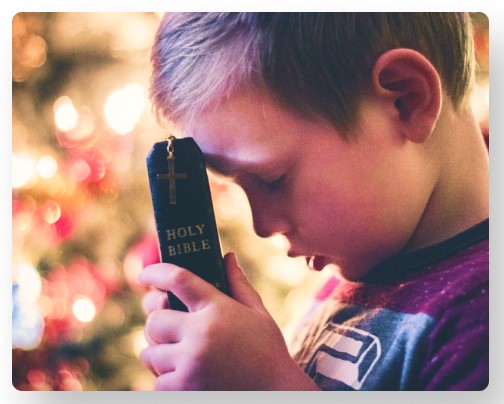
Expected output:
(316, 262)
(313, 262)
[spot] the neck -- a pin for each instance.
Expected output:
(460, 197)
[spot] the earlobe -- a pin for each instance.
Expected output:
(410, 84)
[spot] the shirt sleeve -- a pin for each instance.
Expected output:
(458, 350)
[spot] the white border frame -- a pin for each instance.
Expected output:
(496, 17)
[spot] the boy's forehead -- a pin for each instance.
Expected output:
(241, 132)
(228, 155)
(225, 150)
(250, 131)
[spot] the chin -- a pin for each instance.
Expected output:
(347, 273)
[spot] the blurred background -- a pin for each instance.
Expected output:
(82, 221)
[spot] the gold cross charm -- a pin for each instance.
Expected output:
(171, 176)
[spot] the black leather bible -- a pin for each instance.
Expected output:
(184, 214)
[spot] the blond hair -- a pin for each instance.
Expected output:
(317, 64)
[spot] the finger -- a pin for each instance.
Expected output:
(165, 326)
(241, 289)
(160, 359)
(168, 382)
(149, 339)
(146, 358)
(154, 300)
(192, 290)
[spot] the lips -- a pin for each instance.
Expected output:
(316, 262)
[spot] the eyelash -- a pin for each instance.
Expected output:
(274, 184)
(248, 180)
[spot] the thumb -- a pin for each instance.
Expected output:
(241, 289)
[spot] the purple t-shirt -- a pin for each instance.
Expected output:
(419, 322)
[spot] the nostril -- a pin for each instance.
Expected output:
(268, 226)
(261, 231)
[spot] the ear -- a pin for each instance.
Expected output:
(411, 86)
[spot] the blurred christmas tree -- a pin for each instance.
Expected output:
(81, 128)
(82, 216)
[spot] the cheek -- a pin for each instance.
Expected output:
(344, 218)
(321, 212)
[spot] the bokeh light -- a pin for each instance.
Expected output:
(47, 166)
(124, 107)
(80, 170)
(29, 45)
(139, 341)
(30, 285)
(51, 212)
(66, 117)
(83, 309)
(27, 322)
(480, 100)
(24, 169)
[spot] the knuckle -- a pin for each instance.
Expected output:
(152, 324)
(145, 357)
(154, 300)
(177, 275)
(157, 361)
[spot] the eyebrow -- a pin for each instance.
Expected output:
(220, 166)
(228, 167)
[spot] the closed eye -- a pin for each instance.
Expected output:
(275, 184)
(255, 182)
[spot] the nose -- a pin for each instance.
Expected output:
(269, 210)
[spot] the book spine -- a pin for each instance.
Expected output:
(183, 210)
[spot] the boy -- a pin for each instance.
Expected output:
(352, 136)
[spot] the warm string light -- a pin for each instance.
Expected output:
(47, 166)
(27, 169)
(123, 108)
(66, 117)
(83, 309)
(24, 170)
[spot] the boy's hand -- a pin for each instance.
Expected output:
(221, 343)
